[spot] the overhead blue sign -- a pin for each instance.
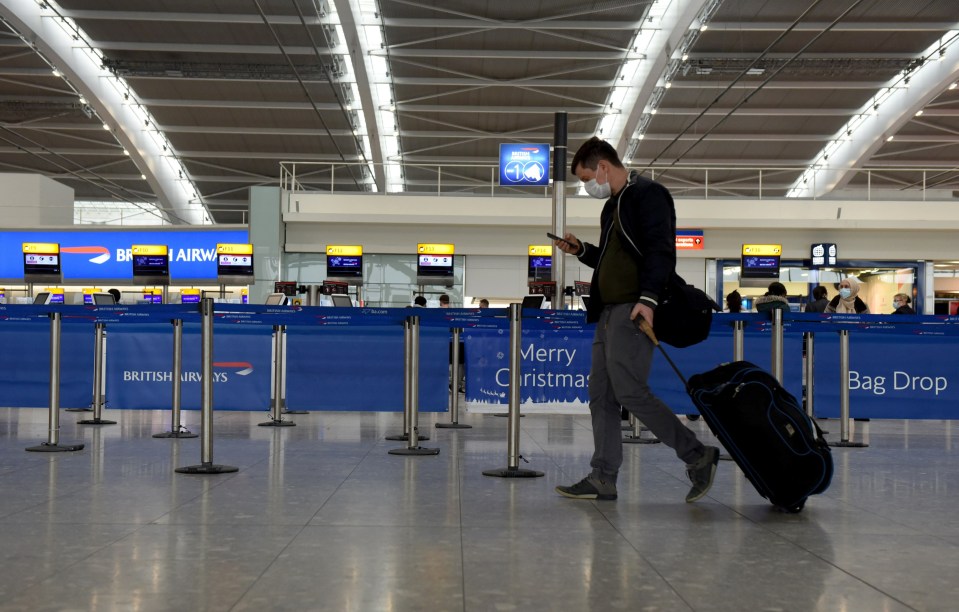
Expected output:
(523, 164)
(105, 255)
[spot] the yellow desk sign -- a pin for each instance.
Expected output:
(763, 249)
(149, 249)
(340, 249)
(542, 250)
(46, 248)
(234, 249)
(89, 290)
(434, 249)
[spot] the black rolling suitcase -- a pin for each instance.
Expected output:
(777, 446)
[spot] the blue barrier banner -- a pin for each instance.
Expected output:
(25, 364)
(555, 370)
(139, 359)
(556, 367)
(341, 368)
(891, 376)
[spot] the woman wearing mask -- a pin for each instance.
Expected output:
(848, 299)
(901, 302)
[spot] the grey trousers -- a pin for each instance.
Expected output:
(622, 357)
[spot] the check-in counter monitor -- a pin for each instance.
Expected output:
(344, 263)
(341, 300)
(103, 299)
(151, 264)
(234, 264)
(41, 263)
(434, 264)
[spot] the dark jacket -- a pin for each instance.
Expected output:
(817, 305)
(648, 221)
(769, 303)
(904, 309)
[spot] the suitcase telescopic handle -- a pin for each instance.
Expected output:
(647, 329)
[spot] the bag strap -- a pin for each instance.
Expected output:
(646, 329)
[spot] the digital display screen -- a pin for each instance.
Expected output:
(41, 263)
(540, 267)
(344, 266)
(151, 265)
(189, 298)
(434, 265)
(760, 266)
(56, 298)
(234, 265)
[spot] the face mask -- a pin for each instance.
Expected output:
(897, 304)
(845, 292)
(597, 190)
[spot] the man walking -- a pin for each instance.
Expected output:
(632, 267)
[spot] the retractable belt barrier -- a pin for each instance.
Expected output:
(922, 386)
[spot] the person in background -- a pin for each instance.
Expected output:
(775, 299)
(848, 299)
(734, 302)
(116, 295)
(632, 266)
(819, 301)
(419, 301)
(484, 303)
(444, 301)
(901, 302)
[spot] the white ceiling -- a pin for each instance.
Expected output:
(237, 87)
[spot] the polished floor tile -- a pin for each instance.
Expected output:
(320, 517)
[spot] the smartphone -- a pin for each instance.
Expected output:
(555, 237)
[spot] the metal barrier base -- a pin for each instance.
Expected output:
(417, 450)
(848, 444)
(453, 426)
(404, 438)
(513, 473)
(640, 440)
(277, 424)
(176, 434)
(96, 422)
(207, 468)
(46, 447)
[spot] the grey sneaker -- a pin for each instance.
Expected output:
(701, 474)
(589, 488)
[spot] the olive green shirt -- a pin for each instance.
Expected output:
(618, 273)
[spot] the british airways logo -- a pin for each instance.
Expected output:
(101, 253)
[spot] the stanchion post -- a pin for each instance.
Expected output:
(413, 448)
(809, 341)
(176, 429)
(99, 330)
(512, 469)
(279, 366)
(636, 433)
(52, 445)
(739, 340)
(776, 349)
(407, 382)
(844, 393)
(206, 398)
(454, 386)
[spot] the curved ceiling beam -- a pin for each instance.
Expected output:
(896, 103)
(81, 65)
(658, 40)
